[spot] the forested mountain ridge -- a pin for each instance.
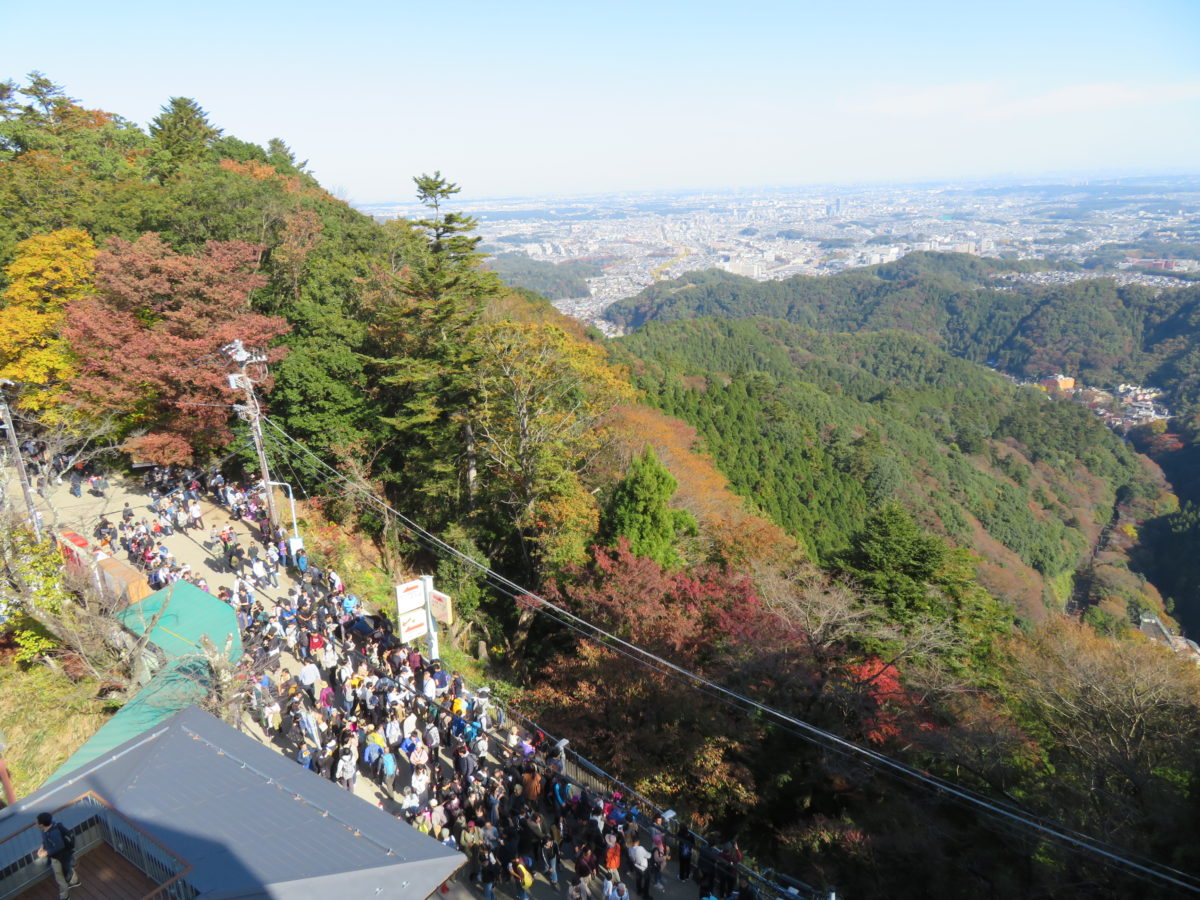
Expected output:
(130, 256)
(816, 430)
(554, 281)
(1095, 330)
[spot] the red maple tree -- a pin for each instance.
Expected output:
(684, 614)
(148, 344)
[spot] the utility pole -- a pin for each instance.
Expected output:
(6, 414)
(252, 413)
(292, 501)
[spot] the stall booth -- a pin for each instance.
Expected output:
(119, 582)
(76, 552)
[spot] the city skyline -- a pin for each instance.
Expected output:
(537, 99)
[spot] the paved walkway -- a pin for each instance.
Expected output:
(83, 514)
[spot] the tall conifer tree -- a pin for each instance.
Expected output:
(638, 510)
(183, 135)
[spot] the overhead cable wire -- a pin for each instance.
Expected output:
(828, 740)
(1147, 868)
(271, 444)
(876, 761)
(799, 727)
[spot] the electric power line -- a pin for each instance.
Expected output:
(1147, 869)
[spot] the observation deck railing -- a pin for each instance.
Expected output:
(93, 822)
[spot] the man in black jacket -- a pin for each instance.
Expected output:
(59, 845)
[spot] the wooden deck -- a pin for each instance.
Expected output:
(105, 875)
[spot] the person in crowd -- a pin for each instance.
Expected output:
(444, 755)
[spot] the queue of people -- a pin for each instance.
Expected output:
(352, 702)
(363, 705)
(174, 506)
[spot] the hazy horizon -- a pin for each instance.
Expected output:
(1013, 180)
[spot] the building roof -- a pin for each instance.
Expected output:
(190, 614)
(250, 822)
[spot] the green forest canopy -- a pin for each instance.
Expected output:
(819, 429)
(554, 281)
(1096, 330)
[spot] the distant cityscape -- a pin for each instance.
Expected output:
(642, 238)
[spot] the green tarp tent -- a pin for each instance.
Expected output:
(190, 614)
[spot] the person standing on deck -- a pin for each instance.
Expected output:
(58, 844)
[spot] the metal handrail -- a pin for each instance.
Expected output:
(604, 783)
(18, 852)
(93, 820)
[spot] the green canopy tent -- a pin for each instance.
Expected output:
(178, 617)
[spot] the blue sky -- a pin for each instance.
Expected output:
(535, 99)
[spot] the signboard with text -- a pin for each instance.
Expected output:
(411, 596)
(411, 625)
(442, 608)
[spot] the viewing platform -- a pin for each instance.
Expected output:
(105, 875)
(115, 859)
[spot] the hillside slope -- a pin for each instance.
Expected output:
(477, 411)
(1096, 330)
(816, 430)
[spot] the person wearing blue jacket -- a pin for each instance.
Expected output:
(58, 845)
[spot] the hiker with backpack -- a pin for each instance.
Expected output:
(521, 876)
(58, 845)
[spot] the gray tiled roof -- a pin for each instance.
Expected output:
(251, 822)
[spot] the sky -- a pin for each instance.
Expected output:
(538, 99)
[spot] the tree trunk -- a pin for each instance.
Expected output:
(222, 695)
(472, 465)
(524, 626)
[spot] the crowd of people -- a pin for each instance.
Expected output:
(350, 701)
(175, 506)
(364, 705)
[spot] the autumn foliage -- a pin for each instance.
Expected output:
(734, 534)
(261, 171)
(49, 272)
(685, 614)
(148, 344)
(886, 694)
(506, 429)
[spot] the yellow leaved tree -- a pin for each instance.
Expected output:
(541, 402)
(48, 272)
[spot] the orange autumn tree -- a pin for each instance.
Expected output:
(537, 415)
(730, 534)
(147, 344)
(50, 272)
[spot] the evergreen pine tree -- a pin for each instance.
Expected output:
(638, 511)
(423, 318)
(183, 135)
